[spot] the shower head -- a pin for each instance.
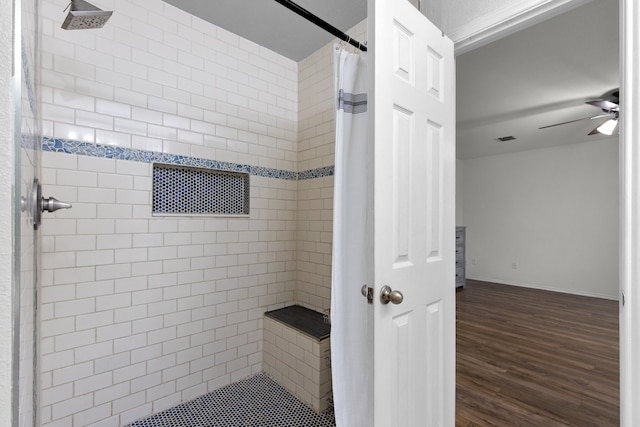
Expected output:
(84, 16)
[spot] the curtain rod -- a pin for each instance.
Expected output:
(322, 24)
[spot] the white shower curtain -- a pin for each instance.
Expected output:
(349, 266)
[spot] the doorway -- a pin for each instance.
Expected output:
(512, 270)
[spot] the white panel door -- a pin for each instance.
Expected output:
(414, 194)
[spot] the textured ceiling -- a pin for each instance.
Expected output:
(539, 76)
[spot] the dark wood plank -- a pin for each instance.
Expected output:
(527, 357)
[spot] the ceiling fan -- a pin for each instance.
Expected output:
(610, 105)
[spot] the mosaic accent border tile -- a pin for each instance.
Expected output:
(58, 145)
(316, 173)
(257, 401)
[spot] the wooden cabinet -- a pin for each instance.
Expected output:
(460, 257)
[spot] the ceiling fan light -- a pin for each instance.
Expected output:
(608, 127)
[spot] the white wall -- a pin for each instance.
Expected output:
(6, 215)
(552, 211)
(458, 13)
(468, 22)
(449, 15)
(459, 192)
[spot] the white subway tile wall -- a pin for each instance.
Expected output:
(156, 78)
(142, 314)
(298, 363)
(316, 149)
(139, 313)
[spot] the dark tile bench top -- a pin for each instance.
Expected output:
(302, 319)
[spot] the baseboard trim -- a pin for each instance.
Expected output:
(545, 288)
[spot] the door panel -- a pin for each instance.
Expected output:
(414, 193)
(402, 144)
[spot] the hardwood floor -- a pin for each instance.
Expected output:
(528, 357)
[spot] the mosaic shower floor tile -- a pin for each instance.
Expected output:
(254, 402)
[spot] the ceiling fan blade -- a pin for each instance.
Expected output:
(576, 120)
(605, 105)
(595, 131)
(604, 129)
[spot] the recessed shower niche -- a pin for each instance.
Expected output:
(184, 190)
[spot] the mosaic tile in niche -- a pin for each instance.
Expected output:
(189, 190)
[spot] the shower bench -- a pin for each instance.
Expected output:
(297, 353)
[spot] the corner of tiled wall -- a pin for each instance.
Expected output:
(316, 149)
